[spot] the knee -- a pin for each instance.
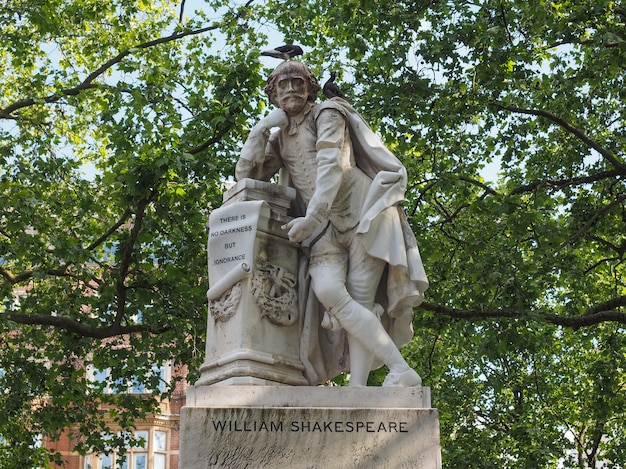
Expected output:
(328, 288)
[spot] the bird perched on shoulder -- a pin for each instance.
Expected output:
(331, 89)
(286, 52)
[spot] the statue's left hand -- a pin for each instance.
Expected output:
(301, 228)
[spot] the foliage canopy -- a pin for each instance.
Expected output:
(120, 120)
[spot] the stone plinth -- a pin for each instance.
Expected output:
(309, 427)
(253, 322)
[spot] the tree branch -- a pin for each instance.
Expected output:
(182, 11)
(126, 260)
(560, 183)
(62, 271)
(607, 154)
(14, 279)
(598, 433)
(506, 23)
(210, 142)
(110, 231)
(620, 250)
(87, 83)
(72, 325)
(593, 219)
(601, 313)
(607, 305)
(485, 187)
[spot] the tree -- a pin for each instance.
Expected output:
(119, 122)
(522, 335)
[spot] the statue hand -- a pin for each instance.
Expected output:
(254, 147)
(276, 118)
(301, 228)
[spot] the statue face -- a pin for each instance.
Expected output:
(292, 92)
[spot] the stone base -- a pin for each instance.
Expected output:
(309, 427)
(247, 366)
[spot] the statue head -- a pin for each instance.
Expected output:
(292, 69)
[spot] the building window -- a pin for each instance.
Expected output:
(160, 448)
(135, 386)
(160, 441)
(150, 453)
(159, 461)
(140, 461)
(106, 462)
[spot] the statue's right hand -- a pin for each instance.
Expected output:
(254, 147)
(301, 228)
(276, 118)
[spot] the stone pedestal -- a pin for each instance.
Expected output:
(309, 427)
(253, 328)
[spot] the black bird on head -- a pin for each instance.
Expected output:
(331, 89)
(286, 52)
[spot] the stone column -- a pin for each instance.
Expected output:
(253, 321)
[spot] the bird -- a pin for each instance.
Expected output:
(286, 52)
(331, 89)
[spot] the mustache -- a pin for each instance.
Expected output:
(294, 94)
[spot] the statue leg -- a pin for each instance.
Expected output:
(361, 360)
(360, 323)
(362, 282)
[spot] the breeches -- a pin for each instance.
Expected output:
(340, 265)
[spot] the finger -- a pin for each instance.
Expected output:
(294, 234)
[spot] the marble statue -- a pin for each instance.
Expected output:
(362, 272)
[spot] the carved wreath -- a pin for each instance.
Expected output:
(273, 288)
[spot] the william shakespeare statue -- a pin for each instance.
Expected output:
(361, 274)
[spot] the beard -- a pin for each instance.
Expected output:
(293, 103)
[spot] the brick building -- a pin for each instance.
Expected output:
(160, 433)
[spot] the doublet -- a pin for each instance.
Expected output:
(317, 153)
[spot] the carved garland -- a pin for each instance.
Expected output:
(224, 308)
(273, 289)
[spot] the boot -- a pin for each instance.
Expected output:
(360, 362)
(365, 327)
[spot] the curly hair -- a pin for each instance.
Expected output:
(292, 66)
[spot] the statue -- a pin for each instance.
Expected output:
(362, 272)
